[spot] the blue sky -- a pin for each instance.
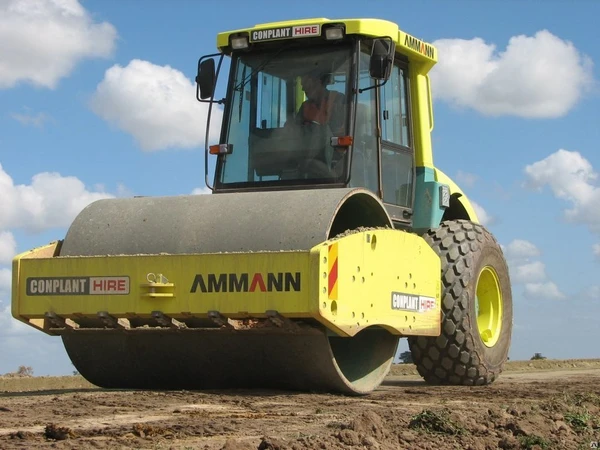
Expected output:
(97, 100)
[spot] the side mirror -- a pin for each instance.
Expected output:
(206, 78)
(382, 59)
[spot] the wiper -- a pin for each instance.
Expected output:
(260, 67)
(241, 103)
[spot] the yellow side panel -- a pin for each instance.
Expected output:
(384, 277)
(423, 119)
(176, 285)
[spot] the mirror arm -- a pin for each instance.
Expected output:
(360, 91)
(207, 135)
(218, 102)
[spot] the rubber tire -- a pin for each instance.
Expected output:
(458, 356)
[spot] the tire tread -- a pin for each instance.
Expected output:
(453, 357)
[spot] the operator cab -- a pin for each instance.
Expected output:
(267, 142)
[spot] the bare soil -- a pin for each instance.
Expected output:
(534, 405)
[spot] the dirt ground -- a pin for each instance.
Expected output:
(534, 405)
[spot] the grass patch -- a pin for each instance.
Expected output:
(578, 420)
(436, 422)
(532, 440)
(564, 400)
(588, 397)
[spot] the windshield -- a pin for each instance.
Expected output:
(285, 108)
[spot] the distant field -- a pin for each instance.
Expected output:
(519, 366)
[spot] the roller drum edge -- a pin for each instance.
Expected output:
(240, 222)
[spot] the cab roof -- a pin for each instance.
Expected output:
(415, 49)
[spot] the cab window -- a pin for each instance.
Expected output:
(273, 142)
(397, 156)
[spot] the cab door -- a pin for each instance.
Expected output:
(397, 154)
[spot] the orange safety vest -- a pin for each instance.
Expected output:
(319, 112)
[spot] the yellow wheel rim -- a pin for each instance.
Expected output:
(488, 306)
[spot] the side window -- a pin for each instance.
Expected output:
(239, 125)
(396, 153)
(364, 158)
(397, 177)
(394, 114)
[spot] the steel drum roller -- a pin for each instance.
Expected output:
(311, 358)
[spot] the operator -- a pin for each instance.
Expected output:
(322, 106)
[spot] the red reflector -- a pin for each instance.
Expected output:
(220, 149)
(341, 141)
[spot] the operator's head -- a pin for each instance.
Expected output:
(313, 85)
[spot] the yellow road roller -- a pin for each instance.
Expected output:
(329, 234)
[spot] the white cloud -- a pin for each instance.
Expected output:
(9, 326)
(201, 191)
(8, 247)
(155, 104)
(123, 191)
(527, 270)
(41, 41)
(466, 179)
(533, 272)
(51, 200)
(482, 215)
(5, 282)
(572, 178)
(520, 249)
(596, 250)
(539, 76)
(543, 291)
(37, 120)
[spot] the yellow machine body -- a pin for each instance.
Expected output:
(383, 278)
